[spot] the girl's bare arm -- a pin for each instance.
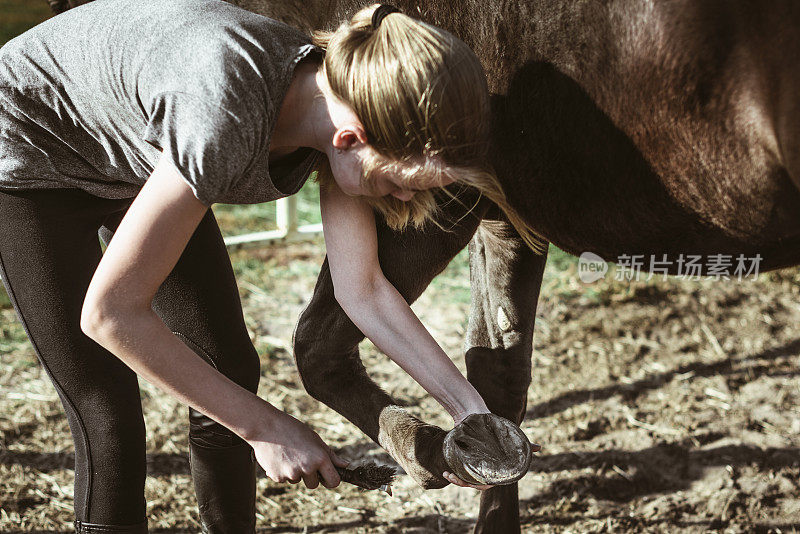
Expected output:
(117, 314)
(379, 311)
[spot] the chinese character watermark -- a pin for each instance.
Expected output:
(630, 267)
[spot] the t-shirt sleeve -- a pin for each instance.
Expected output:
(206, 143)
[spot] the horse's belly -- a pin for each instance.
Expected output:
(688, 216)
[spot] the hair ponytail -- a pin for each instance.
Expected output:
(422, 97)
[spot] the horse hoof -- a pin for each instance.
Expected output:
(487, 449)
(415, 445)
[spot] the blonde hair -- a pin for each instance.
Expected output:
(422, 97)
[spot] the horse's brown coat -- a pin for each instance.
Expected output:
(622, 127)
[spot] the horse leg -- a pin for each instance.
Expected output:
(506, 276)
(326, 344)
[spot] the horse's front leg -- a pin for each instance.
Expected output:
(506, 276)
(326, 345)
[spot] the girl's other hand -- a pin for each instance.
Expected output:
(289, 451)
(450, 477)
(479, 407)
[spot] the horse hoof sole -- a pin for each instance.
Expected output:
(487, 449)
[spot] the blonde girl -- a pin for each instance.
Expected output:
(131, 119)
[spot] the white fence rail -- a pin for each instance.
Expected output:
(289, 231)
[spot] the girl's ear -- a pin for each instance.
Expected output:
(349, 136)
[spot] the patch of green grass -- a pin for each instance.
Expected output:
(235, 219)
(453, 282)
(559, 260)
(266, 270)
(12, 336)
(17, 16)
(5, 302)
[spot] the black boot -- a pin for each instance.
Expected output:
(82, 527)
(225, 485)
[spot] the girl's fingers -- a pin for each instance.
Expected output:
(311, 480)
(330, 478)
(454, 479)
(337, 461)
(458, 482)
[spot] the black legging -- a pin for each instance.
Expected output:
(49, 250)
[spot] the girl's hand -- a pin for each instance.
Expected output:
(480, 407)
(450, 477)
(289, 451)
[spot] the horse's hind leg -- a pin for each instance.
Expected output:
(506, 276)
(326, 346)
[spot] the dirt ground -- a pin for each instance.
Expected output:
(661, 406)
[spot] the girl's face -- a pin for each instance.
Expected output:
(347, 167)
(348, 149)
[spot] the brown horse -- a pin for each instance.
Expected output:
(647, 127)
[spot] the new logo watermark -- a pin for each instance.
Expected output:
(591, 267)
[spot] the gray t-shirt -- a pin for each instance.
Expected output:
(89, 98)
